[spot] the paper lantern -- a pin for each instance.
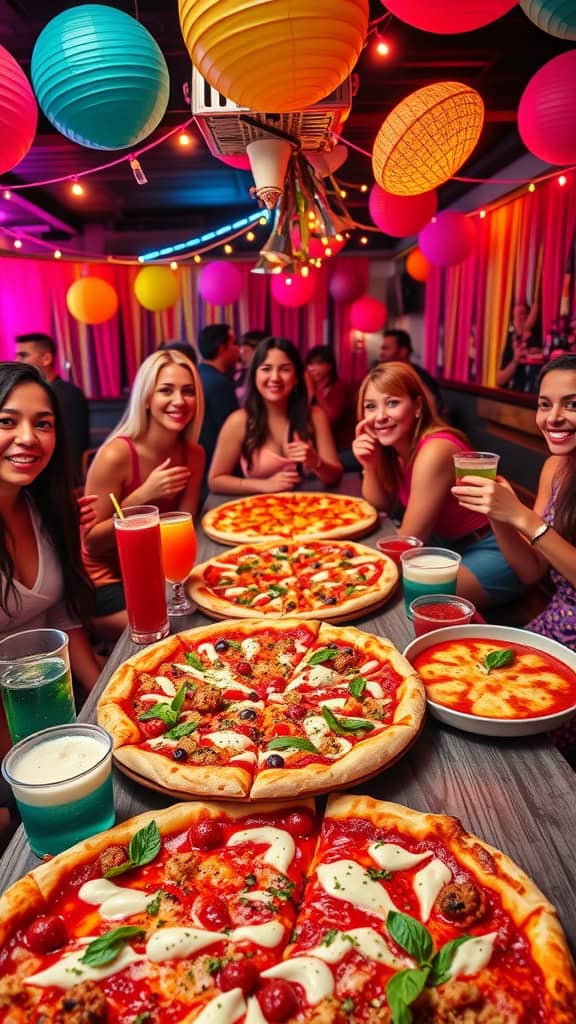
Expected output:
(401, 216)
(368, 315)
(92, 300)
(157, 288)
(345, 285)
(557, 17)
(278, 55)
(447, 17)
(100, 77)
(326, 163)
(220, 283)
(293, 290)
(418, 266)
(269, 162)
(546, 112)
(448, 239)
(18, 112)
(427, 137)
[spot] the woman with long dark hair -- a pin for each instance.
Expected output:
(277, 437)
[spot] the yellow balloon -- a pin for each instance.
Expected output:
(92, 300)
(157, 288)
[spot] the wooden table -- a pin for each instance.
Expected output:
(519, 795)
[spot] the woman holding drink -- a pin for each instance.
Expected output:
(406, 452)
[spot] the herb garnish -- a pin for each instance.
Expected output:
(498, 659)
(324, 654)
(144, 846)
(297, 742)
(168, 713)
(107, 947)
(343, 726)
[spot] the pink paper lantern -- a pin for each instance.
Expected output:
(18, 112)
(345, 285)
(448, 239)
(546, 112)
(448, 17)
(401, 216)
(293, 290)
(368, 315)
(240, 162)
(220, 283)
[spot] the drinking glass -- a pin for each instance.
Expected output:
(62, 782)
(178, 555)
(476, 464)
(428, 571)
(35, 681)
(394, 546)
(140, 552)
(434, 611)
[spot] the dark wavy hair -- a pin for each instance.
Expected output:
(298, 405)
(565, 497)
(52, 495)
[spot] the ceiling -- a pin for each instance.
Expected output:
(189, 191)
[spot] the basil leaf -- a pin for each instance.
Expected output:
(342, 726)
(324, 654)
(234, 644)
(145, 845)
(298, 742)
(163, 711)
(178, 701)
(442, 962)
(351, 589)
(277, 590)
(411, 935)
(357, 686)
(499, 659)
(329, 937)
(107, 947)
(179, 731)
(402, 989)
(153, 908)
(193, 660)
(247, 567)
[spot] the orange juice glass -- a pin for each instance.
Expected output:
(178, 554)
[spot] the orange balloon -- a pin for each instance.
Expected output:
(92, 300)
(418, 265)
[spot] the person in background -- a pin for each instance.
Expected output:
(523, 355)
(333, 395)
(277, 437)
(406, 453)
(246, 350)
(180, 346)
(39, 350)
(219, 350)
(151, 458)
(397, 347)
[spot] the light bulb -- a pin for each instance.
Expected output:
(531, 187)
(482, 214)
(197, 258)
(250, 236)
(184, 139)
(228, 249)
(57, 254)
(17, 243)
(364, 240)
(77, 189)
(173, 265)
(382, 48)
(562, 180)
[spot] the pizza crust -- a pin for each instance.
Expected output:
(366, 519)
(226, 782)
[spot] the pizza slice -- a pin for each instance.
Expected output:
(250, 579)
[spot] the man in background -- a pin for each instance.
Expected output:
(219, 351)
(39, 350)
(397, 347)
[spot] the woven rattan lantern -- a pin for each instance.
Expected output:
(427, 138)
(277, 55)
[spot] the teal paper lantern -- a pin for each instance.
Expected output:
(100, 77)
(557, 17)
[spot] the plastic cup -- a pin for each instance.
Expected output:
(435, 611)
(476, 464)
(428, 571)
(394, 546)
(140, 552)
(35, 681)
(62, 782)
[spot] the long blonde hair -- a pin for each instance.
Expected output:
(402, 381)
(134, 422)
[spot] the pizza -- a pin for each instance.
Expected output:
(220, 914)
(495, 679)
(288, 515)
(262, 709)
(322, 579)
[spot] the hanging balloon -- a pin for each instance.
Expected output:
(293, 290)
(448, 17)
(448, 239)
(18, 112)
(345, 285)
(92, 300)
(546, 119)
(100, 77)
(157, 288)
(401, 216)
(557, 17)
(368, 315)
(326, 163)
(220, 283)
(418, 266)
(278, 55)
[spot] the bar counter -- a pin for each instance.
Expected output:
(517, 794)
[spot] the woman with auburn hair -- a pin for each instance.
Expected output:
(151, 458)
(406, 452)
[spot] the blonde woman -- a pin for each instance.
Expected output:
(151, 458)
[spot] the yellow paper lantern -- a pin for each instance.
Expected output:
(92, 300)
(427, 138)
(277, 55)
(157, 288)
(418, 265)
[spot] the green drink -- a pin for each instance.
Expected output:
(60, 826)
(36, 696)
(483, 464)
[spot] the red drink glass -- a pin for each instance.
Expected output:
(140, 551)
(394, 546)
(433, 611)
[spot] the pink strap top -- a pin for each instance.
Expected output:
(266, 462)
(453, 521)
(164, 504)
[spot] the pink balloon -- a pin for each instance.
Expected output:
(546, 112)
(401, 216)
(345, 286)
(293, 290)
(220, 283)
(448, 17)
(18, 112)
(240, 162)
(368, 315)
(448, 239)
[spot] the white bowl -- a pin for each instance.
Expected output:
(496, 726)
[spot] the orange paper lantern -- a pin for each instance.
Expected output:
(418, 265)
(427, 138)
(92, 300)
(278, 55)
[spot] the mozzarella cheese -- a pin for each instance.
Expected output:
(178, 943)
(209, 650)
(268, 934)
(347, 880)
(250, 647)
(317, 675)
(317, 730)
(374, 689)
(114, 901)
(368, 666)
(229, 740)
(153, 698)
(365, 941)
(281, 846)
(316, 979)
(427, 884)
(166, 685)
(70, 970)
(473, 955)
(223, 1009)
(395, 858)
(254, 1014)
(246, 757)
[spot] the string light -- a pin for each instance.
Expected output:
(57, 254)
(228, 250)
(250, 237)
(531, 187)
(382, 48)
(76, 188)
(184, 139)
(237, 228)
(363, 188)
(562, 180)
(173, 265)
(197, 258)
(7, 195)
(482, 214)
(363, 240)
(17, 243)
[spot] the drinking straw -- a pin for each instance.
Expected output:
(117, 508)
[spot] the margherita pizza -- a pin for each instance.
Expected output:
(212, 914)
(289, 515)
(262, 709)
(319, 580)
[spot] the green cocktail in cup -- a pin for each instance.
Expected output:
(476, 464)
(35, 681)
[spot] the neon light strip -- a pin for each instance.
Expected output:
(192, 243)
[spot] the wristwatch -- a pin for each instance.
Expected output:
(539, 533)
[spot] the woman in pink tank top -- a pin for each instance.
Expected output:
(406, 452)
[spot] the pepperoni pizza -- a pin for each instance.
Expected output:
(290, 515)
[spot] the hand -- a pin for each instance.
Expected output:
(87, 510)
(493, 498)
(284, 480)
(365, 446)
(302, 451)
(519, 348)
(166, 481)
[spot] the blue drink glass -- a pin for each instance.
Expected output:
(428, 571)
